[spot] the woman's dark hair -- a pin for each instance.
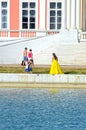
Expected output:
(25, 48)
(56, 58)
(30, 50)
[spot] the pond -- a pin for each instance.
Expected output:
(42, 109)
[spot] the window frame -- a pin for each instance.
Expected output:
(56, 9)
(36, 14)
(8, 16)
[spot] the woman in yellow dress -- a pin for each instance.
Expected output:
(55, 67)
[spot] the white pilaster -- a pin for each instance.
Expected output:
(78, 14)
(63, 15)
(68, 15)
(73, 14)
(42, 15)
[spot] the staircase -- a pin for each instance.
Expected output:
(68, 51)
(67, 54)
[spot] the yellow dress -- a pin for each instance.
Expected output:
(55, 68)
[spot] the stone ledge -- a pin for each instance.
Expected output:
(43, 78)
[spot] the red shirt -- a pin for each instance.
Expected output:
(30, 55)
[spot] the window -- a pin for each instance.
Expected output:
(4, 14)
(28, 15)
(55, 17)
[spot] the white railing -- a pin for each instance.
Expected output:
(36, 33)
(26, 33)
(82, 36)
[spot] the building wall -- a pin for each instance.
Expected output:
(84, 15)
(14, 17)
(73, 17)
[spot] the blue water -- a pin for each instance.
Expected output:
(42, 109)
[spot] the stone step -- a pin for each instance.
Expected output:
(70, 53)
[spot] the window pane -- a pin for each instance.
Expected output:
(25, 12)
(25, 5)
(59, 13)
(4, 12)
(32, 5)
(4, 25)
(52, 19)
(4, 18)
(25, 19)
(32, 25)
(52, 5)
(52, 26)
(32, 12)
(52, 13)
(28, 15)
(58, 26)
(55, 15)
(59, 5)
(58, 19)
(3, 4)
(32, 19)
(25, 25)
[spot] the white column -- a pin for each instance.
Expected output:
(68, 14)
(42, 14)
(63, 15)
(73, 14)
(78, 14)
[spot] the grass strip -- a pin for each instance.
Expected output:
(40, 70)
